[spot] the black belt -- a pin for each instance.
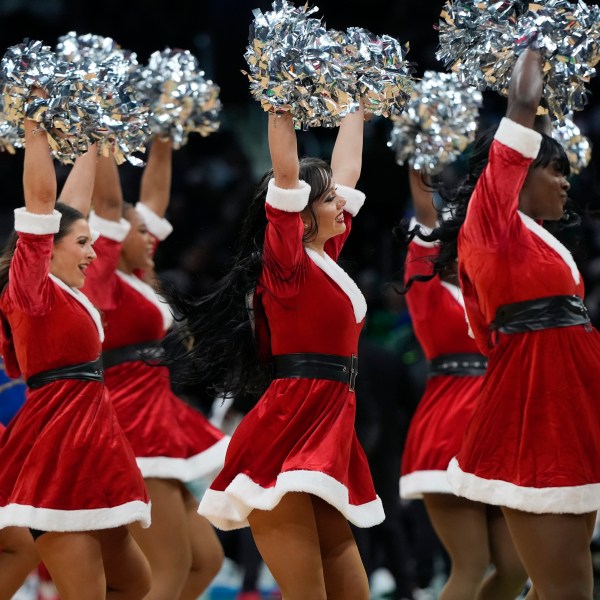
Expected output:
(541, 313)
(458, 365)
(89, 371)
(317, 366)
(142, 351)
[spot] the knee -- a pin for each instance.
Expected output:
(473, 566)
(213, 562)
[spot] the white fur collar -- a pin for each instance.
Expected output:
(84, 301)
(455, 291)
(557, 246)
(329, 266)
(148, 292)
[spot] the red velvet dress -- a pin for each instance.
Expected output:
(65, 464)
(300, 436)
(534, 440)
(438, 425)
(170, 439)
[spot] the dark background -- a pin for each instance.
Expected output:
(214, 176)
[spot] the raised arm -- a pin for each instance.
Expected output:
(39, 177)
(155, 189)
(283, 148)
(346, 160)
(525, 88)
(422, 198)
(77, 190)
(107, 196)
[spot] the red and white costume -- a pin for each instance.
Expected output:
(170, 439)
(534, 439)
(437, 427)
(65, 464)
(300, 436)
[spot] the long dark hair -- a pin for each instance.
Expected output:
(456, 200)
(69, 216)
(216, 343)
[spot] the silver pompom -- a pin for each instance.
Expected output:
(11, 137)
(576, 145)
(438, 124)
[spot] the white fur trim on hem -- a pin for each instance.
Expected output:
(160, 228)
(354, 198)
(425, 230)
(577, 499)
(553, 242)
(293, 200)
(522, 139)
(51, 519)
(414, 485)
(230, 509)
(26, 222)
(185, 469)
(113, 230)
(84, 301)
(346, 283)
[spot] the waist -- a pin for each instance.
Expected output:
(142, 351)
(88, 371)
(458, 365)
(540, 313)
(313, 365)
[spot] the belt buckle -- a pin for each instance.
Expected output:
(353, 372)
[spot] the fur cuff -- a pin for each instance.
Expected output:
(353, 197)
(26, 222)
(293, 200)
(113, 230)
(522, 139)
(160, 228)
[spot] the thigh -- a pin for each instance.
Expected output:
(18, 557)
(502, 548)
(555, 549)
(60, 552)
(288, 541)
(345, 576)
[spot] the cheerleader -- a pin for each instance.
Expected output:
(173, 443)
(66, 469)
(532, 444)
(294, 470)
(472, 533)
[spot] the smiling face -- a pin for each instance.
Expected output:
(73, 254)
(138, 246)
(545, 192)
(328, 218)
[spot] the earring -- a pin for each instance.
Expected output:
(305, 225)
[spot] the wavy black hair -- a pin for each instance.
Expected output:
(215, 344)
(456, 201)
(68, 216)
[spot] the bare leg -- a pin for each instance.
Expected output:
(62, 551)
(166, 542)
(345, 576)
(207, 552)
(461, 526)
(18, 557)
(555, 549)
(127, 570)
(508, 579)
(288, 541)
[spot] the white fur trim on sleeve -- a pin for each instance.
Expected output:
(425, 230)
(354, 198)
(160, 228)
(113, 230)
(26, 222)
(293, 200)
(522, 139)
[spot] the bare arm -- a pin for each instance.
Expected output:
(77, 191)
(107, 196)
(525, 88)
(39, 176)
(284, 150)
(346, 160)
(422, 198)
(155, 189)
